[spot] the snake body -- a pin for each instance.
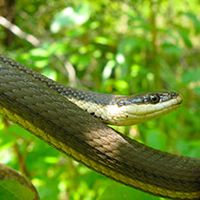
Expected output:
(40, 105)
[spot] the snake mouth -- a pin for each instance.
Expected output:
(180, 99)
(161, 107)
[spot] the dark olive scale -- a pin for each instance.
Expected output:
(95, 97)
(88, 96)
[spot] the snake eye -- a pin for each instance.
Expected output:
(154, 98)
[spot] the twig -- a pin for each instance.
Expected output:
(17, 31)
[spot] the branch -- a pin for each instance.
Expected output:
(18, 32)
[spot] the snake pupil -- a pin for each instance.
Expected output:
(154, 98)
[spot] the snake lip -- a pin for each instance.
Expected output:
(180, 98)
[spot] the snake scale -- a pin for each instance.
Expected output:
(39, 105)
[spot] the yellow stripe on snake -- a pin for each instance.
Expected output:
(47, 109)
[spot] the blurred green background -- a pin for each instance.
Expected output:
(110, 46)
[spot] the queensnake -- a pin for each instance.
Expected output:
(39, 105)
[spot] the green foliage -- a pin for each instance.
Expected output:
(14, 186)
(118, 192)
(13, 190)
(70, 17)
(119, 47)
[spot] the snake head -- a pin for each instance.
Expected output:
(145, 106)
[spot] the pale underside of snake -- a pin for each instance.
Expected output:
(47, 109)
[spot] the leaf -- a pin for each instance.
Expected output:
(186, 38)
(190, 76)
(197, 91)
(188, 148)
(120, 192)
(17, 131)
(108, 69)
(104, 40)
(14, 186)
(194, 20)
(171, 48)
(128, 44)
(70, 17)
(121, 86)
(156, 139)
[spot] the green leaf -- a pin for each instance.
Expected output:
(170, 48)
(121, 86)
(156, 139)
(190, 76)
(188, 148)
(17, 131)
(108, 69)
(128, 44)
(104, 40)
(120, 192)
(197, 91)
(14, 186)
(186, 38)
(71, 17)
(13, 190)
(194, 20)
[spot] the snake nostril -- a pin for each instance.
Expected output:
(173, 95)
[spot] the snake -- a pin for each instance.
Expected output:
(74, 121)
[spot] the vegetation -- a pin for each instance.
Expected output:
(110, 46)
